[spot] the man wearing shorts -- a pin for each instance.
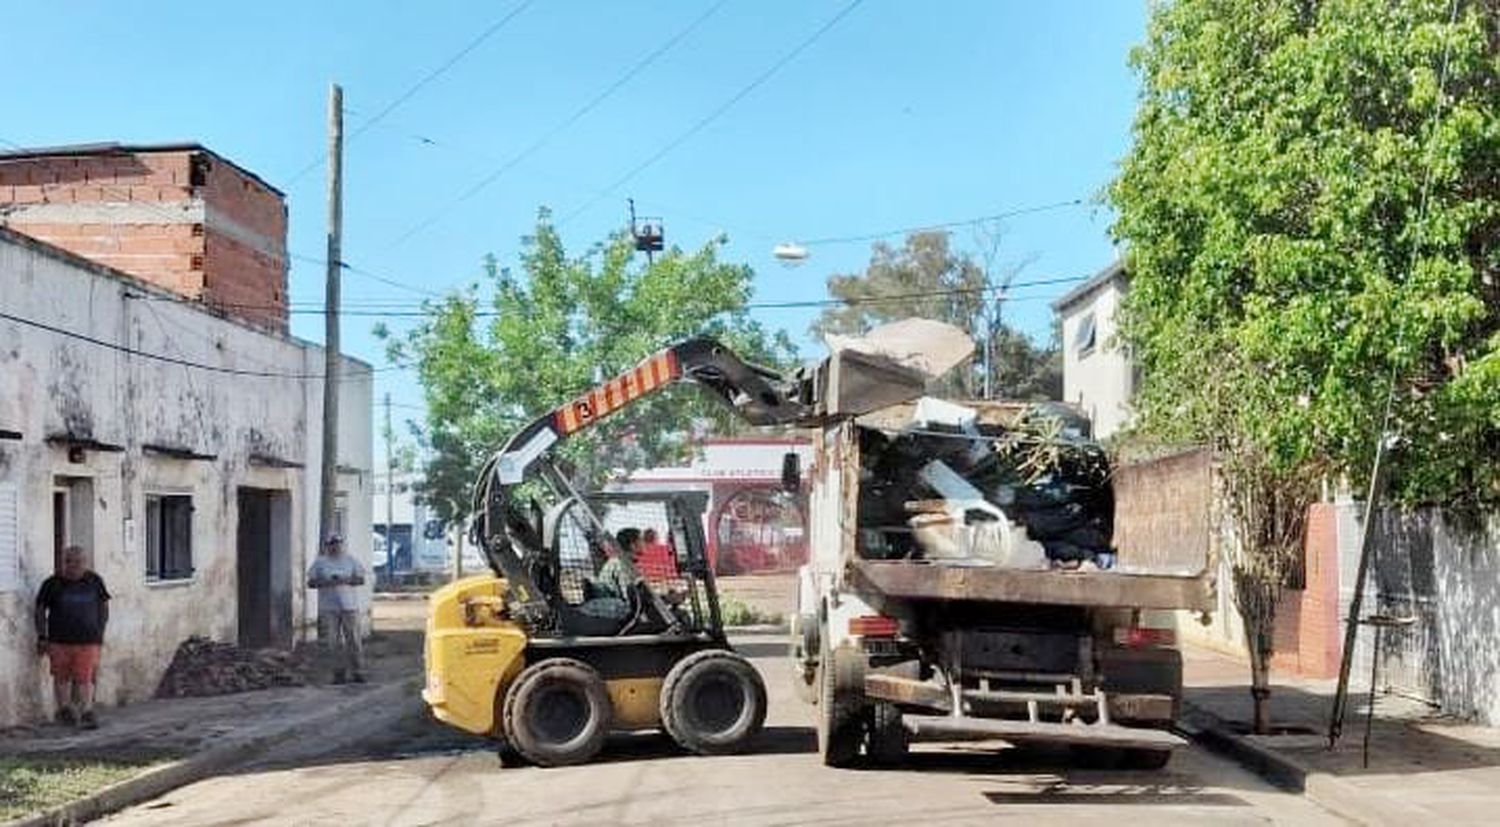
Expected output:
(72, 609)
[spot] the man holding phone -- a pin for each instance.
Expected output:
(337, 577)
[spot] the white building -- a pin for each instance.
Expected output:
(178, 446)
(423, 544)
(1098, 374)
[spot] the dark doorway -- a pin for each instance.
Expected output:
(59, 527)
(72, 516)
(264, 568)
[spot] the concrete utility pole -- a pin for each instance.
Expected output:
(458, 560)
(329, 476)
(390, 495)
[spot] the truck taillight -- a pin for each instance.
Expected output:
(1137, 637)
(874, 626)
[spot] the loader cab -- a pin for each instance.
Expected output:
(674, 590)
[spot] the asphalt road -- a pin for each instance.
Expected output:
(394, 767)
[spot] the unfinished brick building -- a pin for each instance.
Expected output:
(176, 215)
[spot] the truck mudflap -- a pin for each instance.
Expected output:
(955, 728)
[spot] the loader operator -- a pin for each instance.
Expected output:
(609, 590)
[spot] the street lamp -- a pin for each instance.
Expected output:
(790, 253)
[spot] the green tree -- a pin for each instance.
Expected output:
(1311, 207)
(556, 329)
(926, 277)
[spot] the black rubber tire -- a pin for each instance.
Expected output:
(805, 685)
(1144, 759)
(713, 702)
(841, 706)
(557, 713)
(889, 741)
(1119, 758)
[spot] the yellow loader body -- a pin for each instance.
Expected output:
(472, 655)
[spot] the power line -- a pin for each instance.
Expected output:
(369, 274)
(160, 357)
(421, 84)
(717, 112)
(969, 222)
(577, 115)
(375, 310)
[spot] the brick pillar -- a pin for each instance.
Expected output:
(1307, 621)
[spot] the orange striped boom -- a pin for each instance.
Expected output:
(650, 375)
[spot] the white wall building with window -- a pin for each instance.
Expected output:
(1098, 374)
(179, 447)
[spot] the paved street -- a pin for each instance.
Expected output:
(414, 772)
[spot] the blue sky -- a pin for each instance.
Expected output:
(902, 114)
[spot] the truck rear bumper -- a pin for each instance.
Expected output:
(950, 728)
(1088, 725)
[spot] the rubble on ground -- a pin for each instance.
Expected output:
(1033, 494)
(203, 667)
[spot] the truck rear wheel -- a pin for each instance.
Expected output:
(1119, 758)
(1145, 759)
(841, 702)
(889, 740)
(713, 702)
(804, 654)
(557, 713)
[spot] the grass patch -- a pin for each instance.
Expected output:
(28, 785)
(739, 613)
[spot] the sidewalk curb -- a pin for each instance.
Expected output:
(1328, 791)
(163, 779)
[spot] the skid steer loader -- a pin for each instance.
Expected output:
(519, 653)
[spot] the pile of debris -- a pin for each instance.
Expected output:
(1032, 494)
(202, 667)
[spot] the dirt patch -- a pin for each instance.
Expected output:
(202, 668)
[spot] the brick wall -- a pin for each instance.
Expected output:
(184, 220)
(1308, 629)
(245, 260)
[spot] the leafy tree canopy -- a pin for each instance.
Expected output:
(490, 361)
(1312, 206)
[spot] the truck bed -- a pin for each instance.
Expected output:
(939, 580)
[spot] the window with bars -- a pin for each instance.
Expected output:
(169, 536)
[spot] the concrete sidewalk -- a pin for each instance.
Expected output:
(1422, 766)
(182, 740)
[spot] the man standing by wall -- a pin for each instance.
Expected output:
(337, 576)
(72, 609)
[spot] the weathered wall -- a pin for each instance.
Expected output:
(1443, 571)
(52, 385)
(1440, 570)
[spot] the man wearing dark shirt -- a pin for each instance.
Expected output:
(72, 609)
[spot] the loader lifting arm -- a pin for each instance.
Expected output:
(507, 533)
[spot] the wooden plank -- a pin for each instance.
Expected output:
(917, 580)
